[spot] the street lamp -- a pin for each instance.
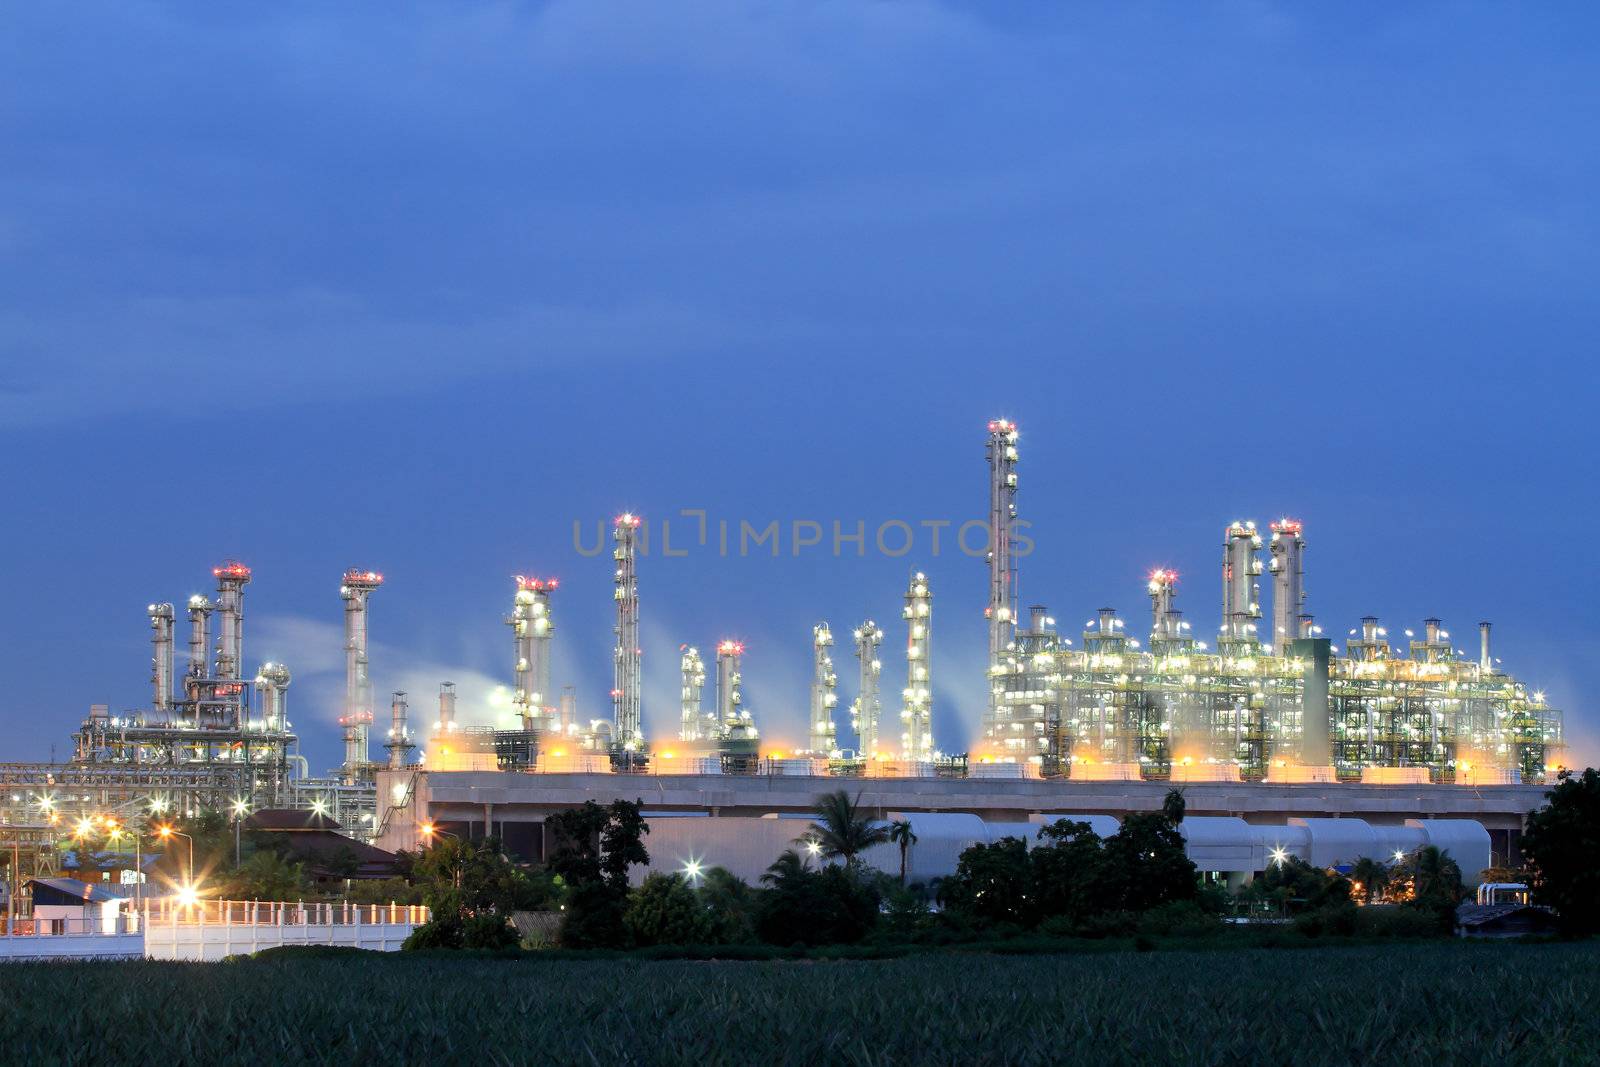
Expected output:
(241, 808)
(165, 831)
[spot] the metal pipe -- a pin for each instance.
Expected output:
(447, 707)
(1485, 661)
(357, 586)
(691, 725)
(232, 576)
(1002, 610)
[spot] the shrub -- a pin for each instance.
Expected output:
(441, 932)
(1180, 918)
(665, 911)
(1395, 921)
(488, 930)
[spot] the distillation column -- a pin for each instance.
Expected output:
(824, 698)
(532, 628)
(1241, 589)
(357, 586)
(161, 661)
(916, 714)
(1288, 583)
(733, 719)
(199, 650)
(625, 690)
(447, 707)
(272, 681)
(691, 727)
(867, 711)
(399, 743)
(1166, 623)
(231, 577)
(1002, 610)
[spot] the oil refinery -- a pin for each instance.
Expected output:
(1271, 701)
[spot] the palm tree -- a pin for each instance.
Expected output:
(786, 870)
(1435, 876)
(1372, 874)
(900, 833)
(839, 829)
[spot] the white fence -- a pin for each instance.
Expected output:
(210, 930)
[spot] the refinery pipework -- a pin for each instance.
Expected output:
(824, 696)
(1241, 587)
(867, 711)
(627, 682)
(916, 714)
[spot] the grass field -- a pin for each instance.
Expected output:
(1390, 1004)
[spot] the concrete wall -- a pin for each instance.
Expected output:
(216, 941)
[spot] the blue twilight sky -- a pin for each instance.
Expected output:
(415, 286)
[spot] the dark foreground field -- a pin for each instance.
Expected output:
(1390, 1004)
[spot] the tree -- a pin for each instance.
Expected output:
(595, 847)
(839, 829)
(992, 884)
(900, 833)
(1173, 806)
(1144, 864)
(1561, 843)
(1068, 872)
(1372, 875)
(730, 906)
(1435, 884)
(666, 911)
(806, 906)
(267, 876)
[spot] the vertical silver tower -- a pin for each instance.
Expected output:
(867, 710)
(1485, 660)
(733, 719)
(824, 698)
(199, 639)
(691, 727)
(399, 743)
(357, 586)
(1241, 588)
(1166, 623)
(1002, 609)
(1288, 582)
(625, 691)
(161, 660)
(272, 681)
(447, 707)
(532, 628)
(231, 577)
(916, 714)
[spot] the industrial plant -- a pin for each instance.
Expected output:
(1271, 699)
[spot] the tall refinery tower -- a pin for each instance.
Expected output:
(1241, 588)
(867, 710)
(357, 586)
(824, 738)
(532, 628)
(1002, 609)
(693, 725)
(916, 738)
(1288, 546)
(625, 690)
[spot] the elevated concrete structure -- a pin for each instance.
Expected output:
(1305, 817)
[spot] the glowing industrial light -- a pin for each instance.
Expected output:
(319, 806)
(1279, 856)
(84, 828)
(241, 807)
(814, 848)
(428, 829)
(1399, 856)
(187, 896)
(691, 870)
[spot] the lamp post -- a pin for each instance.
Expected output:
(166, 832)
(241, 808)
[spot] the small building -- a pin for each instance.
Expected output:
(70, 906)
(1513, 919)
(316, 841)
